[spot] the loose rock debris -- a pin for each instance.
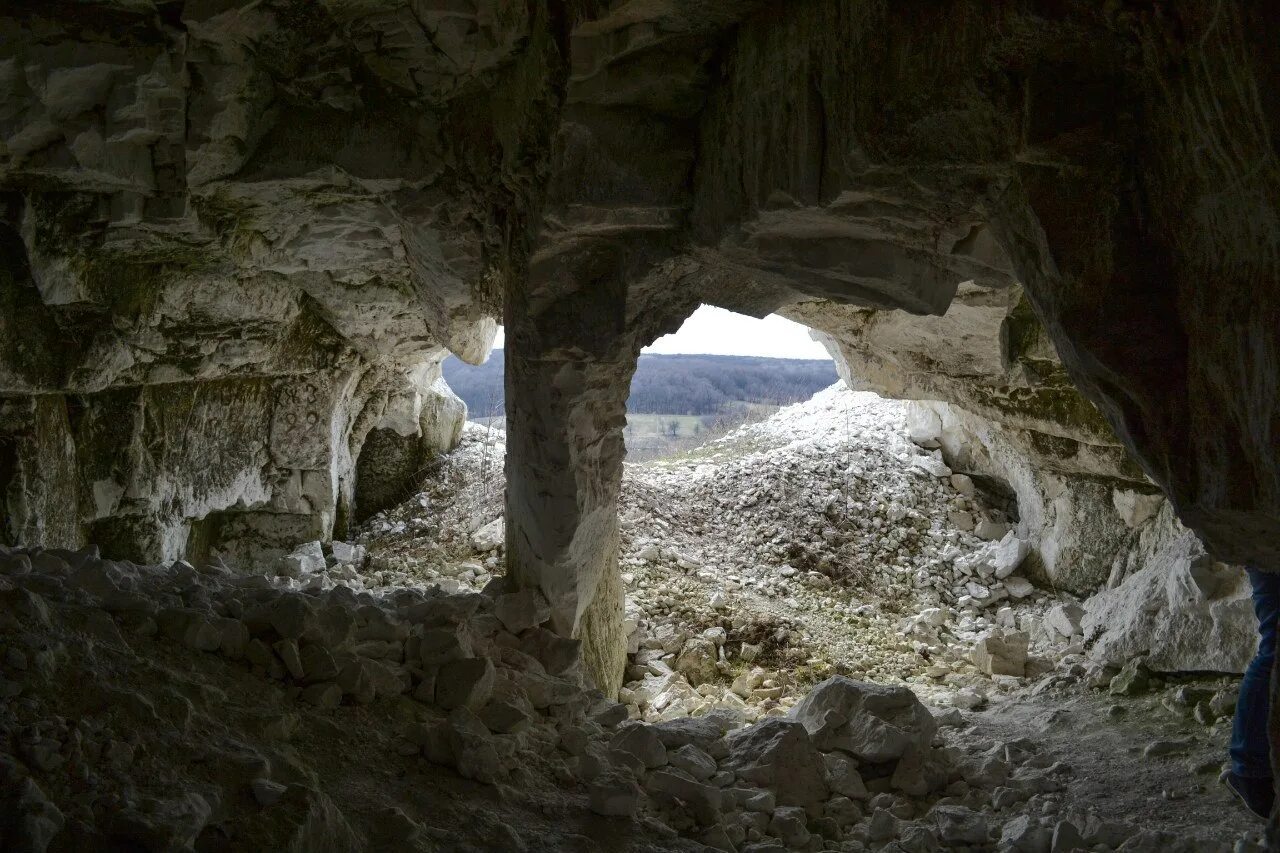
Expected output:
(789, 687)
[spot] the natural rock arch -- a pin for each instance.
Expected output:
(881, 158)
(220, 216)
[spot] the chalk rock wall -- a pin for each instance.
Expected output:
(237, 236)
(1171, 603)
(864, 167)
(993, 395)
(989, 391)
(236, 241)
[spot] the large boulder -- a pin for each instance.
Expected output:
(1180, 609)
(876, 723)
(778, 753)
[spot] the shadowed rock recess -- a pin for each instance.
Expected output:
(238, 238)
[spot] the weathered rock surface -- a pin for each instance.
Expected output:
(872, 722)
(1063, 491)
(432, 696)
(237, 237)
(223, 335)
(1179, 609)
(779, 754)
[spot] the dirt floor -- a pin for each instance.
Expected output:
(1177, 792)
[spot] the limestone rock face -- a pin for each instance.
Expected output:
(1177, 607)
(1155, 591)
(1065, 501)
(235, 244)
(995, 398)
(237, 237)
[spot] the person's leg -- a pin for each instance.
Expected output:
(1250, 749)
(1250, 776)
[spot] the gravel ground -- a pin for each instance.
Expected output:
(820, 536)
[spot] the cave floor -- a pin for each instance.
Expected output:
(1178, 792)
(693, 562)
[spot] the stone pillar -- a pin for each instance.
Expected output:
(565, 414)
(569, 361)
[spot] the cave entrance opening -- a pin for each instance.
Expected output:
(720, 370)
(827, 538)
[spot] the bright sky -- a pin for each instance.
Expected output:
(716, 331)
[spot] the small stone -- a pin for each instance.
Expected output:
(425, 690)
(790, 824)
(1008, 554)
(345, 552)
(760, 801)
(323, 695)
(960, 825)
(521, 610)
(697, 661)
(266, 792)
(1065, 619)
(304, 559)
(642, 742)
(291, 616)
(1002, 653)
(490, 537)
(613, 795)
(233, 638)
(507, 715)
(693, 761)
(202, 635)
(705, 800)
(557, 654)
(883, 826)
(1024, 835)
(843, 776)
(968, 699)
(291, 566)
(1223, 703)
(288, 652)
(317, 663)
(472, 748)
(1158, 748)
(649, 553)
(1133, 679)
(441, 645)
(466, 683)
(355, 682)
(1018, 587)
(990, 530)
(1066, 837)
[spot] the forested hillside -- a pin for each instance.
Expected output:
(670, 384)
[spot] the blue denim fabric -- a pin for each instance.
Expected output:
(1250, 751)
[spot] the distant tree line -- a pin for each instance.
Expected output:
(670, 384)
